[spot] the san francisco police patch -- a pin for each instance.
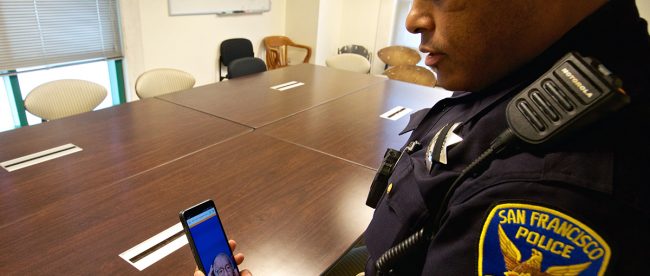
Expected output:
(522, 239)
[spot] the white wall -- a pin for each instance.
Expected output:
(385, 27)
(329, 29)
(153, 39)
(359, 23)
(644, 10)
(131, 44)
(400, 35)
(364, 22)
(302, 23)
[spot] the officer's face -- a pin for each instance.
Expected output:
(473, 43)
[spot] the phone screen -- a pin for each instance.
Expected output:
(210, 242)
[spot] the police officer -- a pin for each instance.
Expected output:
(580, 206)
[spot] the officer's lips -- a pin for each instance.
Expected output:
(433, 58)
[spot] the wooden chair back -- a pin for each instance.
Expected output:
(277, 51)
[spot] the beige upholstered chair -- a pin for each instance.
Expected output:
(399, 55)
(349, 62)
(62, 98)
(161, 81)
(412, 73)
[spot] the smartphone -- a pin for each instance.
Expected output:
(208, 240)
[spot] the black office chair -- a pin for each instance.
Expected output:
(232, 49)
(245, 66)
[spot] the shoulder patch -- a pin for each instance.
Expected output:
(523, 239)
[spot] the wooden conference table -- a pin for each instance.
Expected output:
(351, 128)
(293, 205)
(117, 143)
(252, 101)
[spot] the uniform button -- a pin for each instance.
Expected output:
(389, 188)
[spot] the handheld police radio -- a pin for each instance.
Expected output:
(575, 92)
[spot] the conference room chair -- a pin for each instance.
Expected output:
(349, 62)
(412, 73)
(278, 54)
(162, 81)
(356, 49)
(246, 66)
(398, 55)
(63, 98)
(232, 49)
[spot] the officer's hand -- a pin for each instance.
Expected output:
(198, 272)
(239, 258)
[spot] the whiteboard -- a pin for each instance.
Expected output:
(185, 7)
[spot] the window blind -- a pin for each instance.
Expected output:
(44, 32)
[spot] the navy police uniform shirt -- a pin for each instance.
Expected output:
(579, 207)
